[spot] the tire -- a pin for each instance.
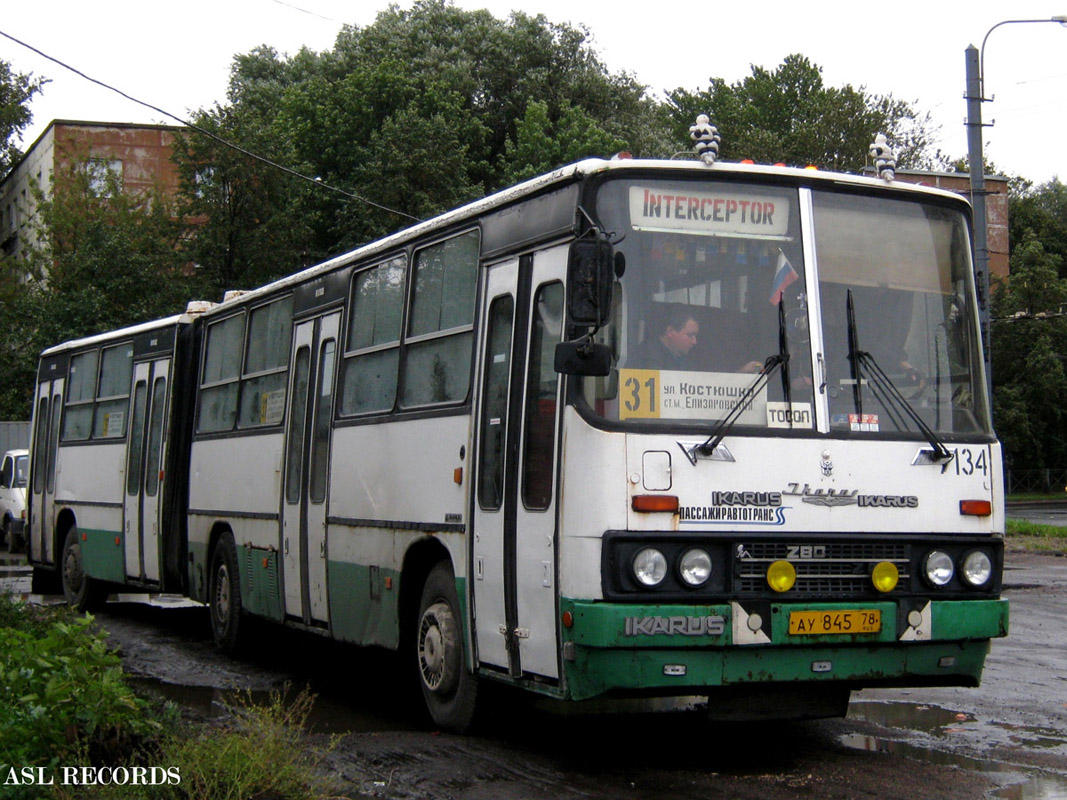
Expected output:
(82, 592)
(449, 690)
(224, 596)
(5, 534)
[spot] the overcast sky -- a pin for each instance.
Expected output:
(177, 55)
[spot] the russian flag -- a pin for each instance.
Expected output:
(783, 277)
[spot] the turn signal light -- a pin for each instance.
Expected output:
(655, 502)
(976, 508)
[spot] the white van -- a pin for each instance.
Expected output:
(14, 477)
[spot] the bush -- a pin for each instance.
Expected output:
(63, 695)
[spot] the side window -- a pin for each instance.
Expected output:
(113, 396)
(222, 368)
(495, 403)
(5, 474)
(40, 442)
(542, 386)
(265, 377)
(372, 349)
(81, 392)
(440, 335)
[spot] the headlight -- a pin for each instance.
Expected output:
(977, 568)
(650, 566)
(938, 567)
(695, 567)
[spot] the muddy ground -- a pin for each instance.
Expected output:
(1007, 739)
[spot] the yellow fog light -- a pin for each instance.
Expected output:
(781, 576)
(885, 576)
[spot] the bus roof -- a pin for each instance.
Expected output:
(561, 176)
(121, 333)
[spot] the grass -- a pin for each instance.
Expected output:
(65, 701)
(1036, 537)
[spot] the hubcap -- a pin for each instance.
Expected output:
(222, 594)
(72, 569)
(438, 649)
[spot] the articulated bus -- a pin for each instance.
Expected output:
(626, 430)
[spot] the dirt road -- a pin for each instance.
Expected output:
(1007, 739)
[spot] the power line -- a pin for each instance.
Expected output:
(210, 135)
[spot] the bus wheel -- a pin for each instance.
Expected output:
(224, 595)
(448, 688)
(81, 592)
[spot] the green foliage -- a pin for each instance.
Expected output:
(63, 696)
(259, 752)
(424, 110)
(105, 259)
(1030, 333)
(16, 91)
(791, 116)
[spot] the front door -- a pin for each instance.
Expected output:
(307, 460)
(144, 461)
(514, 541)
(47, 418)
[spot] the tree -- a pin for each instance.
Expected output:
(422, 111)
(791, 116)
(1030, 357)
(105, 260)
(16, 91)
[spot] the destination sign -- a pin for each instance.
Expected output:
(720, 213)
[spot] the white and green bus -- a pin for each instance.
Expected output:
(629, 429)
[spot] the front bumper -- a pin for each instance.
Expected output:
(616, 648)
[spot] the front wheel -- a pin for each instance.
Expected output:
(224, 595)
(82, 592)
(449, 689)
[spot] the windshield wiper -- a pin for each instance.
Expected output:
(890, 395)
(776, 361)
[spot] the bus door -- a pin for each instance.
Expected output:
(514, 542)
(144, 454)
(47, 418)
(307, 459)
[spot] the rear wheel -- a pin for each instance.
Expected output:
(224, 595)
(82, 592)
(449, 689)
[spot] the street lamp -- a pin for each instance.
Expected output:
(975, 63)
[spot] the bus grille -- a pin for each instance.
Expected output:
(831, 569)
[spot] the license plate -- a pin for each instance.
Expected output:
(808, 623)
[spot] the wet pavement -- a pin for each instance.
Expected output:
(1007, 739)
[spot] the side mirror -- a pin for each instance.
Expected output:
(583, 358)
(590, 278)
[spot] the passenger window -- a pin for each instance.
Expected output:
(113, 396)
(372, 353)
(81, 392)
(440, 340)
(266, 371)
(222, 367)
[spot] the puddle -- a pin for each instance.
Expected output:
(327, 716)
(1022, 783)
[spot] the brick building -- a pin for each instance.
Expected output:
(138, 155)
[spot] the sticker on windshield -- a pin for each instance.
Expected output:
(670, 394)
(863, 422)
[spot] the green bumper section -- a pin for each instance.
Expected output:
(623, 648)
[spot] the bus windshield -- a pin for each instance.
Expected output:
(716, 291)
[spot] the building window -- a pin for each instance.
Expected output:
(104, 176)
